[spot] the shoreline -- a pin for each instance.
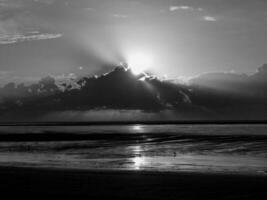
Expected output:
(48, 183)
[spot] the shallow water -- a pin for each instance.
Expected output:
(201, 148)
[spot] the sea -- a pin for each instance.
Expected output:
(203, 148)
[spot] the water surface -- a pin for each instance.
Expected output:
(201, 148)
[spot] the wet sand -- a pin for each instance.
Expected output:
(33, 183)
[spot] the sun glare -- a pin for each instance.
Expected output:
(138, 162)
(139, 62)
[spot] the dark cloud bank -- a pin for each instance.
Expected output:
(120, 95)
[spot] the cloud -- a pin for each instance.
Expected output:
(49, 2)
(106, 114)
(175, 8)
(9, 4)
(32, 36)
(19, 24)
(232, 95)
(209, 19)
(10, 76)
(90, 9)
(120, 16)
(200, 9)
(207, 96)
(119, 89)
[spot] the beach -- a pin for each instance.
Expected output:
(44, 183)
(184, 162)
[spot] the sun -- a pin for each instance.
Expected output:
(139, 62)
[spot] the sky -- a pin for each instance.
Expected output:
(183, 37)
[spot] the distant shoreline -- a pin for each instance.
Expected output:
(114, 123)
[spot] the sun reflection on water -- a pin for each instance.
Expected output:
(138, 128)
(137, 150)
(138, 162)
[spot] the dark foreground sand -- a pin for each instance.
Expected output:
(26, 183)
